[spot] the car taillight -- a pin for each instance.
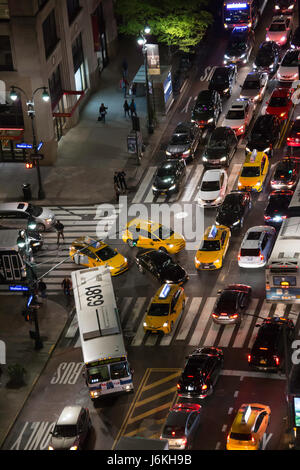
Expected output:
(204, 387)
(214, 315)
(277, 360)
(249, 357)
(183, 441)
(239, 256)
(290, 183)
(283, 216)
(252, 440)
(178, 386)
(234, 315)
(267, 217)
(262, 257)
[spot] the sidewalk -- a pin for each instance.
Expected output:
(14, 331)
(90, 153)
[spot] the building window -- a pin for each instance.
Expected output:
(4, 10)
(73, 9)
(50, 35)
(55, 87)
(79, 67)
(6, 62)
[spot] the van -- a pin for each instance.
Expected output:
(12, 265)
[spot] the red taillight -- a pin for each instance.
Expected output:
(178, 386)
(173, 433)
(204, 387)
(183, 441)
(239, 256)
(249, 357)
(283, 217)
(190, 376)
(214, 315)
(262, 257)
(277, 360)
(267, 217)
(234, 316)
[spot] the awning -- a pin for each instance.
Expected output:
(71, 112)
(9, 133)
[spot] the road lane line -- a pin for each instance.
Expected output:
(202, 322)
(189, 317)
(144, 185)
(245, 325)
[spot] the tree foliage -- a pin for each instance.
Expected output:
(174, 22)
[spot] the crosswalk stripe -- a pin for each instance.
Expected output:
(124, 307)
(280, 310)
(136, 310)
(188, 319)
(204, 317)
(144, 185)
(245, 325)
(166, 340)
(192, 185)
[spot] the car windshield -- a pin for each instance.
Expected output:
(173, 431)
(231, 203)
(65, 430)
(119, 370)
(216, 143)
(210, 186)
(290, 59)
(98, 374)
(239, 436)
(166, 170)
(268, 335)
(278, 101)
(250, 251)
(159, 310)
(179, 139)
(35, 211)
(210, 245)
(220, 77)
(203, 107)
(163, 233)
(276, 27)
(251, 85)
(106, 253)
(261, 126)
(235, 114)
(250, 171)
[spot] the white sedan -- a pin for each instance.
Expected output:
(213, 188)
(289, 68)
(279, 30)
(239, 115)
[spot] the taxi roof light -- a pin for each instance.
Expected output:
(213, 232)
(165, 291)
(246, 414)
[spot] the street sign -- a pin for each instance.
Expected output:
(19, 288)
(36, 156)
(23, 145)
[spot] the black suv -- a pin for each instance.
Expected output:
(231, 304)
(184, 141)
(223, 79)
(235, 207)
(264, 135)
(267, 58)
(277, 208)
(169, 177)
(220, 148)
(240, 45)
(268, 352)
(207, 109)
(200, 373)
(161, 266)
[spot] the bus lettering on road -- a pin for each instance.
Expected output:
(67, 373)
(34, 436)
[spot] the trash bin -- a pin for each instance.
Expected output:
(27, 192)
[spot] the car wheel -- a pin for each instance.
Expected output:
(130, 243)
(141, 269)
(40, 227)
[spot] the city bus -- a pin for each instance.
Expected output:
(107, 369)
(12, 264)
(242, 13)
(283, 267)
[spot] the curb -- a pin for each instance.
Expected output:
(52, 348)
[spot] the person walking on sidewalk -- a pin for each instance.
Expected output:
(102, 112)
(132, 108)
(67, 286)
(122, 182)
(60, 231)
(126, 108)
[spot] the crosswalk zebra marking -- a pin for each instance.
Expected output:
(144, 185)
(192, 185)
(203, 319)
(189, 317)
(245, 325)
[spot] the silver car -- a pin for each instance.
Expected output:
(71, 429)
(18, 214)
(256, 246)
(254, 86)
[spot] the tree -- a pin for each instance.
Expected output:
(173, 22)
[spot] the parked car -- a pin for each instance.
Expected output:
(239, 116)
(264, 134)
(201, 372)
(268, 352)
(234, 209)
(18, 214)
(220, 149)
(288, 70)
(71, 429)
(240, 46)
(181, 425)
(254, 86)
(256, 246)
(231, 304)
(184, 141)
(277, 207)
(169, 177)
(161, 266)
(267, 58)
(207, 109)
(223, 79)
(212, 188)
(280, 29)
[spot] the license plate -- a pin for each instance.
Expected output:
(205, 267)
(163, 194)
(263, 361)
(249, 258)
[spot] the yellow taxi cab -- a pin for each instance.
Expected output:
(90, 253)
(213, 247)
(248, 427)
(165, 308)
(254, 171)
(148, 234)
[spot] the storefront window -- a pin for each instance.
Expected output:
(79, 66)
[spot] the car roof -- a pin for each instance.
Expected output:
(155, 255)
(238, 426)
(220, 229)
(221, 132)
(165, 293)
(205, 95)
(253, 76)
(169, 163)
(13, 206)
(90, 243)
(281, 92)
(212, 175)
(69, 415)
(253, 158)
(238, 104)
(255, 243)
(144, 224)
(183, 127)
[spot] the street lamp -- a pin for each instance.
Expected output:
(31, 114)
(142, 41)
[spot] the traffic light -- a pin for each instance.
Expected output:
(29, 165)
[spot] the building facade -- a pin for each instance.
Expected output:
(59, 44)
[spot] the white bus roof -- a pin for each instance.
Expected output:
(287, 245)
(99, 325)
(8, 239)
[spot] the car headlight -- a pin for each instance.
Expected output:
(210, 120)
(154, 187)
(256, 97)
(217, 260)
(226, 90)
(239, 184)
(267, 149)
(226, 56)
(145, 323)
(257, 184)
(204, 159)
(74, 448)
(243, 56)
(49, 220)
(254, 66)
(247, 149)
(223, 159)
(267, 38)
(236, 223)
(168, 153)
(197, 262)
(277, 7)
(50, 448)
(165, 324)
(193, 120)
(290, 7)
(172, 187)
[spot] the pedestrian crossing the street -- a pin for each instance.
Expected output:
(78, 221)
(195, 326)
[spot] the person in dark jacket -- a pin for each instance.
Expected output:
(132, 108)
(126, 108)
(60, 231)
(102, 112)
(122, 182)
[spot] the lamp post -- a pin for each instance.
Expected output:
(31, 114)
(142, 41)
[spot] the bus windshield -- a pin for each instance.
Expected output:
(236, 15)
